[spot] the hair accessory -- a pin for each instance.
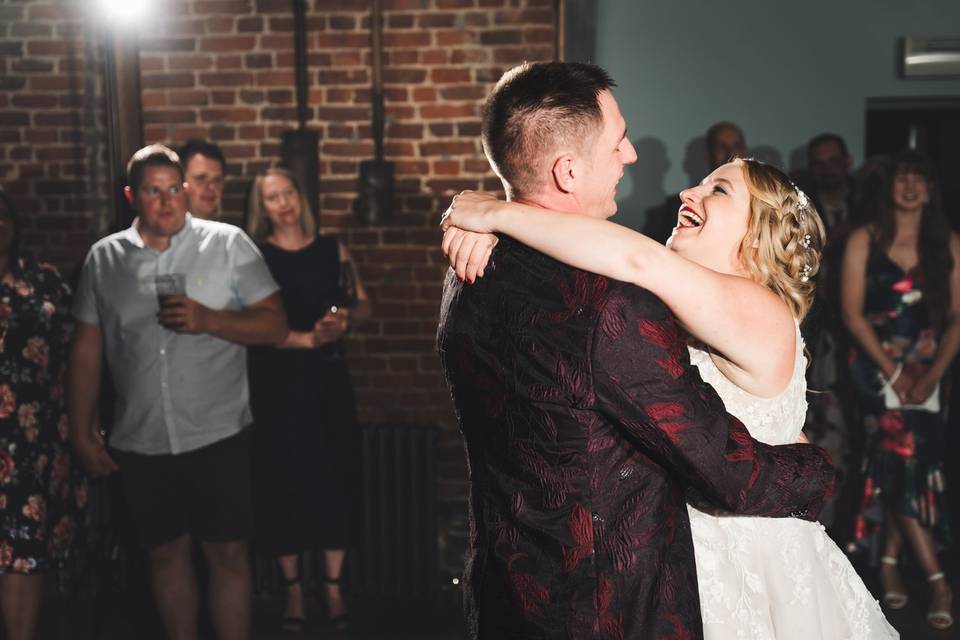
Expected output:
(805, 273)
(806, 241)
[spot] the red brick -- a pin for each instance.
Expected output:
(274, 78)
(250, 25)
(190, 63)
(459, 37)
(447, 148)
(221, 24)
(463, 92)
(223, 96)
(52, 83)
(169, 116)
(46, 12)
(155, 45)
(222, 133)
(168, 81)
(466, 56)
(229, 115)
(341, 40)
(189, 98)
(225, 79)
(228, 43)
(45, 48)
(407, 39)
(31, 30)
(537, 36)
(13, 83)
(448, 110)
(342, 22)
(34, 100)
(201, 7)
(441, 129)
(443, 75)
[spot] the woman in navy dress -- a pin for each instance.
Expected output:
(306, 444)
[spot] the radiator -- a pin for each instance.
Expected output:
(397, 552)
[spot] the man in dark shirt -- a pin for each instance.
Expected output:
(585, 425)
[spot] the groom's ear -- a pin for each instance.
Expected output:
(564, 171)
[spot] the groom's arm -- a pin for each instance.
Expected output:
(645, 384)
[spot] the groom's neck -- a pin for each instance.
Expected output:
(555, 201)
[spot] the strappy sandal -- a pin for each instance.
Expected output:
(339, 624)
(942, 618)
(895, 600)
(292, 624)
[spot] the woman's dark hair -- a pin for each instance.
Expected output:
(13, 256)
(933, 242)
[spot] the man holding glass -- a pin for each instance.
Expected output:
(172, 302)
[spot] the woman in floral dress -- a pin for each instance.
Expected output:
(38, 499)
(901, 302)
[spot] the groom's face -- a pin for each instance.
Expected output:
(605, 156)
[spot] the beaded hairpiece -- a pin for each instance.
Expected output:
(803, 204)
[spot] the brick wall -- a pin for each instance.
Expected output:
(52, 124)
(223, 69)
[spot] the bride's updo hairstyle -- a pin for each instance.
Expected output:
(785, 236)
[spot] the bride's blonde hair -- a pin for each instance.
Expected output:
(785, 236)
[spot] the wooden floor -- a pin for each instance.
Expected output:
(129, 618)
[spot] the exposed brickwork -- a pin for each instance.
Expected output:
(223, 69)
(52, 124)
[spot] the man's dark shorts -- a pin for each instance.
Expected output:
(204, 493)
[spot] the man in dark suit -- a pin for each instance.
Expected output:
(585, 425)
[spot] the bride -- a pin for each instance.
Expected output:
(738, 275)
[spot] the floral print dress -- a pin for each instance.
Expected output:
(905, 469)
(40, 497)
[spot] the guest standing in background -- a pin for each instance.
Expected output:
(39, 498)
(204, 167)
(306, 444)
(901, 302)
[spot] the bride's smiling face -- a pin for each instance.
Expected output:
(712, 220)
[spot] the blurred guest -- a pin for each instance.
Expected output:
(829, 412)
(171, 302)
(306, 445)
(203, 167)
(39, 500)
(829, 164)
(725, 141)
(901, 302)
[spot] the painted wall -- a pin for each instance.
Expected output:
(783, 71)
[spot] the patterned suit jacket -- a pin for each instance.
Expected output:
(585, 427)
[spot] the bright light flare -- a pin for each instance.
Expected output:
(125, 12)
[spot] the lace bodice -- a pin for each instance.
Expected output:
(776, 420)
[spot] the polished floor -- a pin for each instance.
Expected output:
(128, 617)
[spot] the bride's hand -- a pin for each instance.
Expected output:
(471, 211)
(468, 252)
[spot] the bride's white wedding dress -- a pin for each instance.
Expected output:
(776, 578)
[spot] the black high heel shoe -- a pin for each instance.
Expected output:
(340, 623)
(292, 624)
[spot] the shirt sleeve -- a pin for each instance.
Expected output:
(645, 384)
(252, 280)
(85, 298)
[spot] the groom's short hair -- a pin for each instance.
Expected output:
(534, 109)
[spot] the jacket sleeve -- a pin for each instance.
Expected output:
(645, 385)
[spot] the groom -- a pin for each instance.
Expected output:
(585, 424)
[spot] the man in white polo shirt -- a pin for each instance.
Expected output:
(179, 368)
